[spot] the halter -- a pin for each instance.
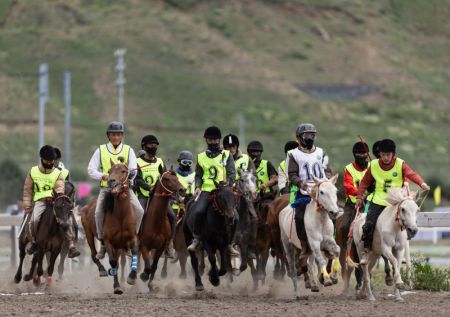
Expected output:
(166, 192)
(398, 217)
(213, 197)
(316, 199)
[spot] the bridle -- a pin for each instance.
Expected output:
(166, 191)
(66, 197)
(213, 198)
(398, 216)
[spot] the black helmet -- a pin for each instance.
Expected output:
(149, 139)
(185, 155)
(387, 146)
(376, 149)
(47, 152)
(115, 126)
(290, 145)
(230, 140)
(360, 147)
(212, 133)
(58, 153)
(305, 127)
(255, 146)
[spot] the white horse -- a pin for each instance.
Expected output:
(395, 223)
(319, 229)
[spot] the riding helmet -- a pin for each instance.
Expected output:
(58, 153)
(305, 127)
(230, 140)
(212, 133)
(387, 146)
(360, 147)
(255, 146)
(47, 152)
(149, 139)
(115, 126)
(376, 149)
(185, 155)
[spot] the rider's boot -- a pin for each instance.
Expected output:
(232, 250)
(304, 254)
(170, 251)
(101, 253)
(195, 244)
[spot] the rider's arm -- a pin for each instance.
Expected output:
(94, 166)
(366, 181)
(27, 193)
(198, 176)
(293, 171)
(409, 173)
(282, 180)
(349, 185)
(132, 164)
(231, 170)
(273, 175)
(140, 182)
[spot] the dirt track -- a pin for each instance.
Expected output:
(86, 294)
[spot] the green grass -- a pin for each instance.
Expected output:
(426, 277)
(195, 63)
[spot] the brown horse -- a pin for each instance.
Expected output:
(50, 237)
(156, 230)
(119, 225)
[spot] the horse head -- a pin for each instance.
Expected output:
(246, 184)
(62, 209)
(406, 209)
(117, 177)
(171, 185)
(326, 195)
(224, 199)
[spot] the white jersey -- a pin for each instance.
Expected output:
(309, 164)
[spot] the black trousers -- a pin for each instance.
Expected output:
(371, 221)
(300, 222)
(199, 209)
(348, 216)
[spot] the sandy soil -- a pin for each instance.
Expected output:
(84, 293)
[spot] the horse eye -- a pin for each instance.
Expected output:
(321, 192)
(403, 209)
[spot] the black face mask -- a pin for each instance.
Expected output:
(185, 168)
(362, 162)
(151, 150)
(308, 143)
(214, 147)
(255, 157)
(47, 166)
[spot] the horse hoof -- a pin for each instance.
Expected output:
(131, 280)
(182, 276)
(27, 277)
(222, 272)
(314, 288)
(399, 300)
(243, 267)
(103, 273)
(17, 278)
(214, 281)
(236, 272)
(36, 280)
(163, 274)
(334, 279)
(307, 284)
(118, 290)
(400, 285)
(389, 280)
(327, 282)
(144, 276)
(49, 280)
(371, 298)
(199, 288)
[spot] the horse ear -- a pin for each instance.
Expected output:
(315, 179)
(111, 161)
(171, 167)
(333, 179)
(53, 193)
(121, 159)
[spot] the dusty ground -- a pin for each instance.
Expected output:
(84, 293)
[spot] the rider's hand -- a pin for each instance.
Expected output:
(104, 177)
(263, 187)
(197, 192)
(358, 205)
(425, 186)
(304, 186)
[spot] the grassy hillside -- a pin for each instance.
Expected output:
(193, 63)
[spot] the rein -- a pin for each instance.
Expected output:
(166, 192)
(316, 198)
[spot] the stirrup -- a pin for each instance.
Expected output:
(194, 245)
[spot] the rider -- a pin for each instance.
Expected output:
(98, 168)
(39, 185)
(303, 163)
(150, 168)
(353, 173)
(265, 171)
(186, 176)
(387, 172)
(213, 165)
(242, 161)
(59, 165)
(283, 185)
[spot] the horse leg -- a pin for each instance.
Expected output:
(202, 265)
(198, 278)
(164, 268)
(146, 257)
(123, 265)
(91, 242)
(39, 269)
(398, 254)
(154, 266)
(320, 262)
(132, 277)
(289, 250)
(51, 266)
(346, 270)
(22, 253)
(183, 259)
(334, 270)
(213, 272)
(113, 271)
(62, 259)
(30, 274)
(387, 270)
(224, 259)
(408, 264)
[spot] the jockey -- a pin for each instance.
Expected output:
(353, 173)
(59, 165)
(186, 176)
(303, 163)
(98, 168)
(387, 172)
(283, 185)
(150, 168)
(38, 187)
(265, 171)
(215, 164)
(242, 161)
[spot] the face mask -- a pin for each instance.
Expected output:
(47, 166)
(255, 157)
(308, 143)
(362, 162)
(214, 147)
(151, 150)
(185, 168)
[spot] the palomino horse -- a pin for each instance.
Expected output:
(319, 229)
(390, 238)
(119, 225)
(219, 215)
(54, 223)
(246, 193)
(156, 230)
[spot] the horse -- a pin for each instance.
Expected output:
(319, 230)
(390, 238)
(119, 226)
(219, 216)
(50, 236)
(245, 191)
(156, 230)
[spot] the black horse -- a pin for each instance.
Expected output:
(50, 237)
(215, 233)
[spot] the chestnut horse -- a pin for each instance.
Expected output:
(156, 230)
(119, 225)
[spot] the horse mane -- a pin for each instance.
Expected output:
(395, 196)
(109, 202)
